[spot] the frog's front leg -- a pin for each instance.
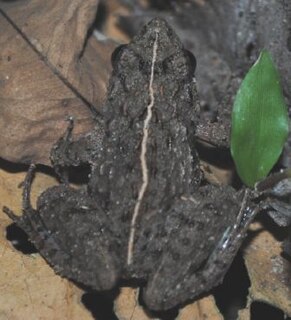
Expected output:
(216, 131)
(203, 237)
(72, 233)
(67, 152)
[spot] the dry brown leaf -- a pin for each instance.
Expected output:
(269, 272)
(204, 308)
(126, 306)
(29, 287)
(49, 70)
(244, 314)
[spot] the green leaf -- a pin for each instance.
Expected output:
(259, 121)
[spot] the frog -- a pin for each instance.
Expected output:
(146, 213)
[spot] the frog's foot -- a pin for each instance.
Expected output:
(199, 247)
(71, 233)
(26, 205)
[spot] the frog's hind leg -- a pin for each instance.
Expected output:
(200, 247)
(71, 232)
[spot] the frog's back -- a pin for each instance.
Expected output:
(148, 158)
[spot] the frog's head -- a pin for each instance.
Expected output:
(156, 41)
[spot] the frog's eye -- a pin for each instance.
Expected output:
(192, 61)
(116, 54)
(124, 58)
(181, 64)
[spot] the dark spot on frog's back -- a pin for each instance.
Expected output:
(209, 206)
(144, 66)
(185, 242)
(176, 256)
(200, 226)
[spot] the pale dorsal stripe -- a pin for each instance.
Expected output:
(144, 167)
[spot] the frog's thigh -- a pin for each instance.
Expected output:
(71, 232)
(194, 226)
